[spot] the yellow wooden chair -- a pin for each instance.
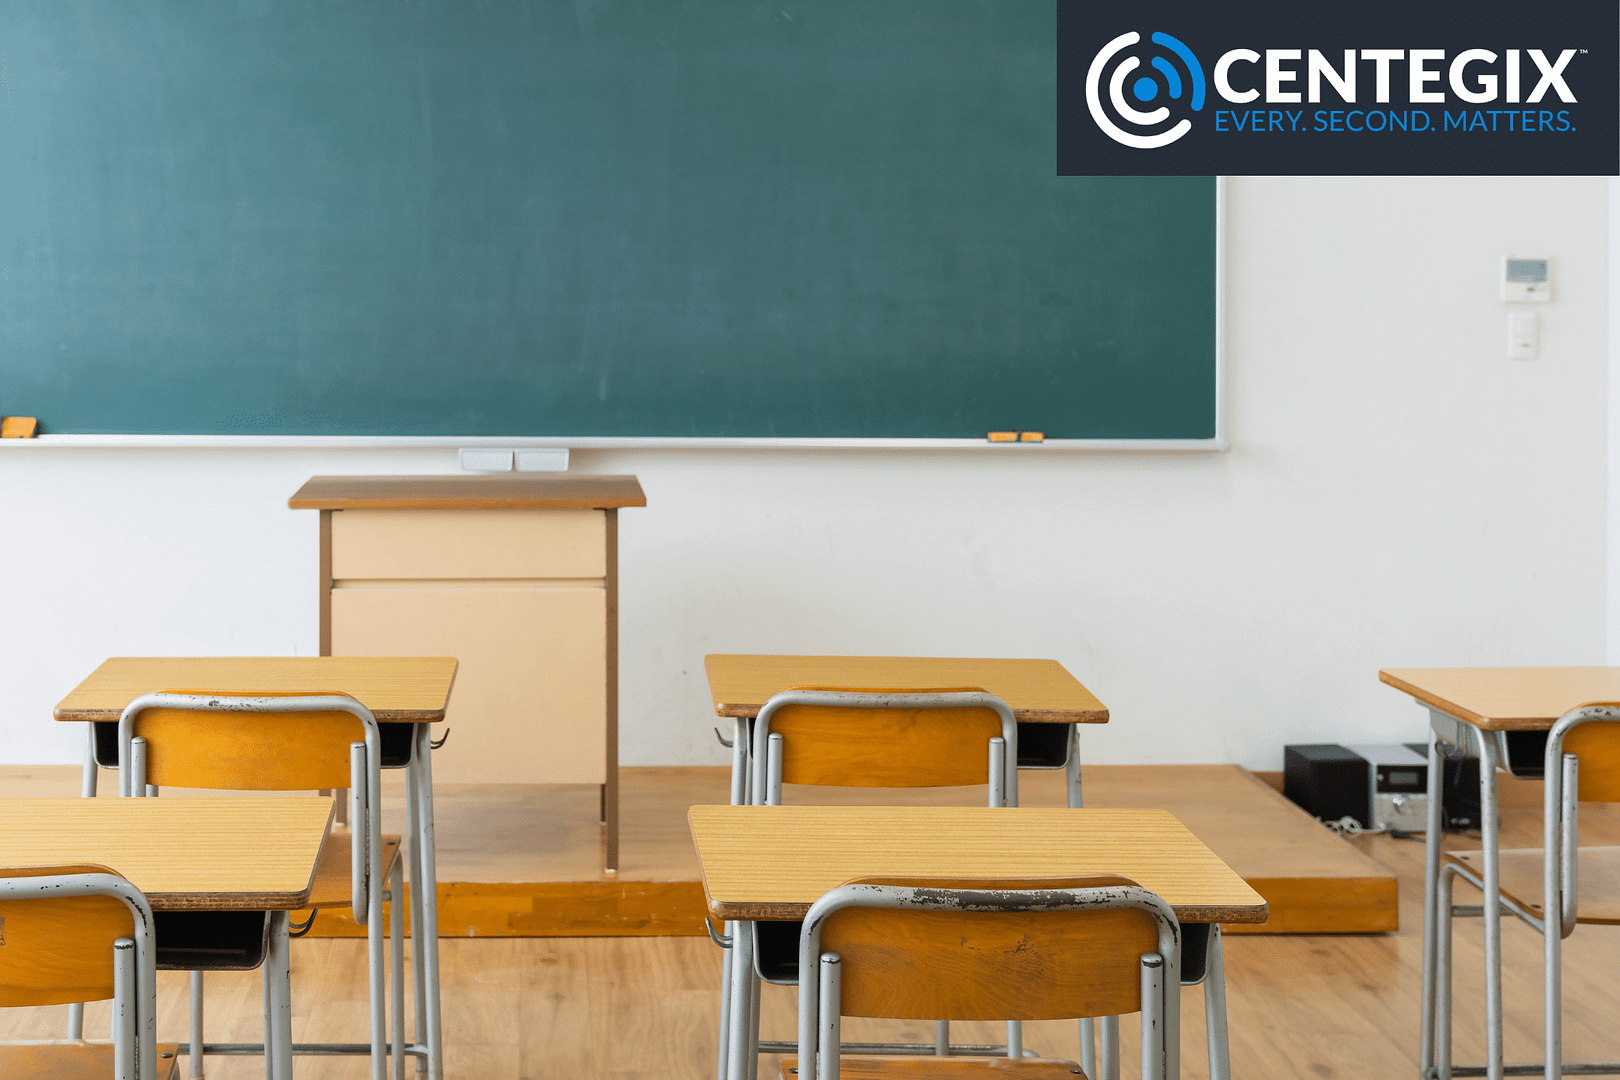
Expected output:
(915, 949)
(844, 737)
(863, 737)
(284, 742)
(1552, 889)
(72, 934)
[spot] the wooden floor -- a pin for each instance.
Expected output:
(526, 860)
(618, 1008)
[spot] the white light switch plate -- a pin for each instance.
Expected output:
(1522, 336)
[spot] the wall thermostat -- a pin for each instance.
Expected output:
(1526, 281)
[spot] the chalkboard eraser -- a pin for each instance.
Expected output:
(18, 427)
(541, 459)
(1003, 436)
(481, 460)
(1031, 436)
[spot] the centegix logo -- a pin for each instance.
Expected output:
(1472, 75)
(1382, 89)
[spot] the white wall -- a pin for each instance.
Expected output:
(1613, 628)
(1398, 494)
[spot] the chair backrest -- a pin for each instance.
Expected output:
(243, 748)
(1014, 964)
(1582, 762)
(275, 741)
(994, 949)
(56, 950)
(1597, 744)
(864, 737)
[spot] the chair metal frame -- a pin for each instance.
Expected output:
(819, 1019)
(134, 1024)
(1560, 878)
(367, 894)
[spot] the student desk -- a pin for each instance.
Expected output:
(188, 855)
(1041, 694)
(1497, 715)
(773, 862)
(405, 694)
(184, 854)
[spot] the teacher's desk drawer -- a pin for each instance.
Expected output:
(460, 544)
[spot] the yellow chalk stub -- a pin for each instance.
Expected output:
(1031, 436)
(18, 427)
(1003, 436)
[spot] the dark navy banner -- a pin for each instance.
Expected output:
(1187, 89)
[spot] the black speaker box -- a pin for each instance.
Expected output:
(1329, 781)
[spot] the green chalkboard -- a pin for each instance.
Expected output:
(704, 218)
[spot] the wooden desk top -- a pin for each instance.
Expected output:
(397, 689)
(1507, 698)
(523, 491)
(241, 854)
(773, 862)
(1037, 691)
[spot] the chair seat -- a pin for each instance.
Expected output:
(73, 1059)
(333, 882)
(1520, 870)
(923, 1066)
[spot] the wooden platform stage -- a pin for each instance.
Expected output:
(525, 860)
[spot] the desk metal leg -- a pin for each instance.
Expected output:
(740, 737)
(1442, 976)
(742, 996)
(377, 976)
(753, 1022)
(1431, 882)
(279, 1048)
(1220, 1056)
(739, 797)
(418, 954)
(1172, 1020)
(195, 1061)
(1071, 776)
(87, 782)
(427, 935)
(1493, 908)
(396, 969)
(1071, 771)
(725, 1004)
(87, 789)
(267, 1002)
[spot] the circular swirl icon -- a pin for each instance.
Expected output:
(1144, 89)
